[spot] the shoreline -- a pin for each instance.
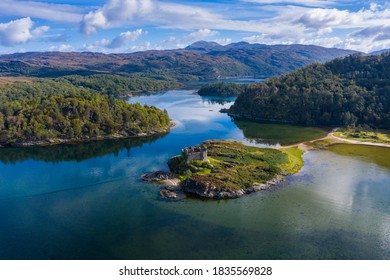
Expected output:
(304, 147)
(357, 142)
(53, 142)
(212, 194)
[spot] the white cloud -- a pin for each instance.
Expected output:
(287, 22)
(271, 21)
(282, 33)
(61, 48)
(93, 21)
(19, 31)
(254, 39)
(97, 46)
(116, 13)
(53, 12)
(319, 18)
(144, 47)
(310, 3)
(125, 38)
(325, 42)
(121, 41)
(361, 44)
(376, 33)
(224, 41)
(180, 43)
(360, 30)
(202, 34)
(324, 18)
(171, 43)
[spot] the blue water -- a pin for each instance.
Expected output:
(86, 201)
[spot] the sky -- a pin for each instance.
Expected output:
(119, 26)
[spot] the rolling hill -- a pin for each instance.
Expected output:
(201, 60)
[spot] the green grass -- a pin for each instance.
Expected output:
(382, 136)
(234, 166)
(295, 160)
(321, 144)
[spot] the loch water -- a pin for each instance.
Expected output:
(86, 200)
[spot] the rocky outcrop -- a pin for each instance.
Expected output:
(157, 176)
(174, 195)
(265, 186)
(210, 190)
(172, 189)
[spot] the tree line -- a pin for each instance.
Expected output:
(50, 109)
(349, 92)
(120, 86)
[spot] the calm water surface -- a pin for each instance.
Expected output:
(86, 201)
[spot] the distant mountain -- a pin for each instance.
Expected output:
(201, 60)
(204, 46)
(380, 51)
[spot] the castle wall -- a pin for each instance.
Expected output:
(196, 156)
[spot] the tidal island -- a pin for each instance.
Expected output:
(221, 169)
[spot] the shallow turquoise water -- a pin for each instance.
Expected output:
(86, 201)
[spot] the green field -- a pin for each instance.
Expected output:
(381, 136)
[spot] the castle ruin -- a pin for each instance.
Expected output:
(195, 153)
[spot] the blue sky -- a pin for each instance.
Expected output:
(115, 26)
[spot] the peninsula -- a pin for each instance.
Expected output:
(45, 112)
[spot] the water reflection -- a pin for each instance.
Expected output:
(185, 105)
(278, 134)
(377, 155)
(226, 101)
(74, 152)
(198, 116)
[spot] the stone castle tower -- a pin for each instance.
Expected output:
(195, 153)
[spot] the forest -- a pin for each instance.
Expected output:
(222, 89)
(48, 110)
(349, 92)
(121, 86)
(106, 84)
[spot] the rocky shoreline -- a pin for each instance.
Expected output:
(177, 190)
(205, 190)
